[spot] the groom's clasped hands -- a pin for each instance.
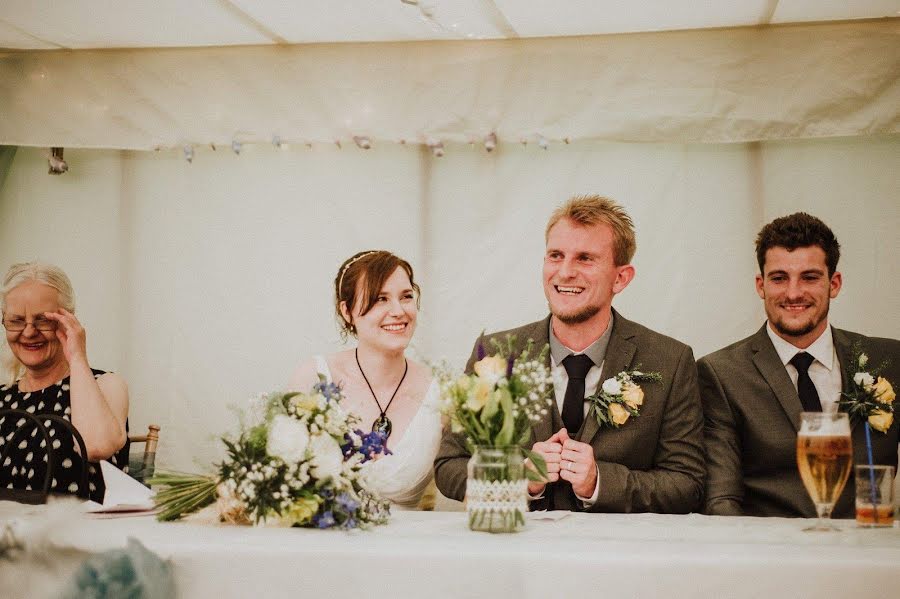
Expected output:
(568, 460)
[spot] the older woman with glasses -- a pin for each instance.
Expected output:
(49, 374)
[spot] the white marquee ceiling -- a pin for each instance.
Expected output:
(79, 24)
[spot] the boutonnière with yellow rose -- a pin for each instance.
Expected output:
(869, 397)
(620, 397)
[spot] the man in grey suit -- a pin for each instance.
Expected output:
(754, 390)
(653, 462)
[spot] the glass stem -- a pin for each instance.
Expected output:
(824, 512)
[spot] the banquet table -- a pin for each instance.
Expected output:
(433, 554)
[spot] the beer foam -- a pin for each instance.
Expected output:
(830, 430)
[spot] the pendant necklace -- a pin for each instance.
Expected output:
(382, 424)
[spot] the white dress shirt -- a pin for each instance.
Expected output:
(825, 370)
(596, 351)
(561, 379)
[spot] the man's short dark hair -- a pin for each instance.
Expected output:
(798, 230)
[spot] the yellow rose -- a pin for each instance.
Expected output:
(305, 402)
(491, 368)
(618, 414)
(479, 394)
(633, 395)
(881, 421)
(301, 511)
(883, 391)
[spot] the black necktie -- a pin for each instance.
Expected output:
(577, 367)
(809, 397)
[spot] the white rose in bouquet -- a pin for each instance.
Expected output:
(612, 386)
(288, 439)
(864, 379)
(327, 458)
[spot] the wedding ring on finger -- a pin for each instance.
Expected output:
(568, 466)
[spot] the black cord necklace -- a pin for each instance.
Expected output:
(382, 424)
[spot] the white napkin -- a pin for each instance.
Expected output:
(123, 493)
(545, 515)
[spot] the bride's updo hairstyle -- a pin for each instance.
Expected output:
(360, 279)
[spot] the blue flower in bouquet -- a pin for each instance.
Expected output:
(324, 520)
(347, 503)
(329, 391)
(370, 445)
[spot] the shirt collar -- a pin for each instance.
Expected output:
(596, 351)
(822, 349)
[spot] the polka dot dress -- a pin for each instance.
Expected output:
(26, 466)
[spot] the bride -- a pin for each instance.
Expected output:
(377, 301)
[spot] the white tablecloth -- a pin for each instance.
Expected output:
(434, 555)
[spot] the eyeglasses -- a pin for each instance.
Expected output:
(15, 325)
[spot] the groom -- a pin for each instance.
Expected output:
(651, 463)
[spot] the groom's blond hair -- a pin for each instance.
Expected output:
(589, 210)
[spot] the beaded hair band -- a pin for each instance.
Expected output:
(348, 265)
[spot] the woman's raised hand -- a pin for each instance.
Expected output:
(70, 333)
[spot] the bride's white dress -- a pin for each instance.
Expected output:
(403, 476)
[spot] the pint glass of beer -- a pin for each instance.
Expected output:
(874, 496)
(824, 456)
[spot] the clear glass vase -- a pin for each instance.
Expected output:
(497, 489)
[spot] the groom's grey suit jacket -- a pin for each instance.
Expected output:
(652, 463)
(752, 414)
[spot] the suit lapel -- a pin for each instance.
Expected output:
(619, 355)
(775, 374)
(842, 345)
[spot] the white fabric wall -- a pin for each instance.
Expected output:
(709, 85)
(203, 283)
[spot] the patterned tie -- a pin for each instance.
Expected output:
(809, 397)
(577, 367)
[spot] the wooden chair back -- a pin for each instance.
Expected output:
(141, 467)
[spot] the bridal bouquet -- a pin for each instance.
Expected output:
(296, 462)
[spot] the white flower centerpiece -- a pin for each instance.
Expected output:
(296, 462)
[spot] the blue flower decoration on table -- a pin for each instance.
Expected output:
(133, 573)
